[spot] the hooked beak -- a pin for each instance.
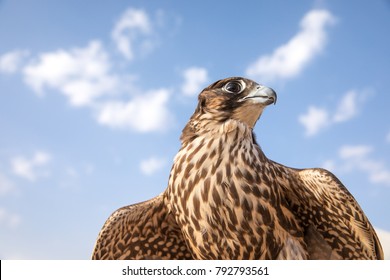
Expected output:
(261, 94)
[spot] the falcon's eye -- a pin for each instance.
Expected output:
(233, 87)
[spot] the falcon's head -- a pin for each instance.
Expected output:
(234, 98)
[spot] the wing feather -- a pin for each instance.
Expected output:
(327, 207)
(141, 231)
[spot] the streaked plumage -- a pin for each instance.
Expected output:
(226, 200)
(141, 231)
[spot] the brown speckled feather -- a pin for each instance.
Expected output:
(324, 205)
(141, 231)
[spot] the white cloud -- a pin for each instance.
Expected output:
(384, 237)
(388, 137)
(358, 158)
(85, 75)
(194, 80)
(316, 119)
(31, 169)
(81, 74)
(144, 113)
(6, 185)
(354, 152)
(133, 24)
(10, 62)
(288, 60)
(152, 165)
(8, 219)
(348, 107)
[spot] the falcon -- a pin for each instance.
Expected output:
(226, 200)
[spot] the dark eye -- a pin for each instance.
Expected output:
(233, 87)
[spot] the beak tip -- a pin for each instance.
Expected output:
(273, 96)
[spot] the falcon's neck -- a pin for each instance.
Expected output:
(212, 128)
(230, 141)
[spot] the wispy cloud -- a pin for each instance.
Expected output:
(81, 74)
(31, 168)
(288, 60)
(8, 219)
(134, 24)
(10, 62)
(316, 119)
(354, 152)
(151, 165)
(349, 106)
(144, 113)
(194, 80)
(388, 137)
(359, 158)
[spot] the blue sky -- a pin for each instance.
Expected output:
(94, 95)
